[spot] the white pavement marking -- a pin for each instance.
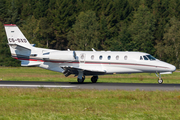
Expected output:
(46, 86)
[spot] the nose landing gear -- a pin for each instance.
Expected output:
(160, 80)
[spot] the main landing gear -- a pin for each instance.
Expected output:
(94, 79)
(81, 78)
(160, 80)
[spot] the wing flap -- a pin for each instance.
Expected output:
(68, 70)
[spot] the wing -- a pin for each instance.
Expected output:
(68, 70)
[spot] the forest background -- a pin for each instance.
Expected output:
(151, 26)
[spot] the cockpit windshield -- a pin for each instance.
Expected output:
(147, 57)
(150, 57)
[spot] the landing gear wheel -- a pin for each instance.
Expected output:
(94, 79)
(160, 81)
(81, 80)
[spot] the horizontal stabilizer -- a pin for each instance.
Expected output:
(29, 63)
(18, 47)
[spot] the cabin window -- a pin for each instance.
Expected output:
(92, 57)
(100, 57)
(125, 57)
(109, 57)
(145, 58)
(117, 57)
(141, 58)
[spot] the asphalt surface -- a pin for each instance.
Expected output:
(88, 85)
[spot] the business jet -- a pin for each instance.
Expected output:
(83, 63)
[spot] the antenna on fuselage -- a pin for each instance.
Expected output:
(93, 50)
(68, 50)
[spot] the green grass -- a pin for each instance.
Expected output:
(66, 104)
(38, 74)
(77, 104)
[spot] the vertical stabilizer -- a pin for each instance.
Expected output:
(17, 42)
(19, 46)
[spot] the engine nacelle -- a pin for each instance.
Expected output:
(62, 55)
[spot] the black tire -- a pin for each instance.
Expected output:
(81, 80)
(94, 79)
(160, 81)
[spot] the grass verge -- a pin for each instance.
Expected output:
(38, 74)
(65, 104)
(51, 104)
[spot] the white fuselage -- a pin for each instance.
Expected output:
(110, 62)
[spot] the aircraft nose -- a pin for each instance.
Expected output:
(172, 68)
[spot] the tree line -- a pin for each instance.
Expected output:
(150, 26)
